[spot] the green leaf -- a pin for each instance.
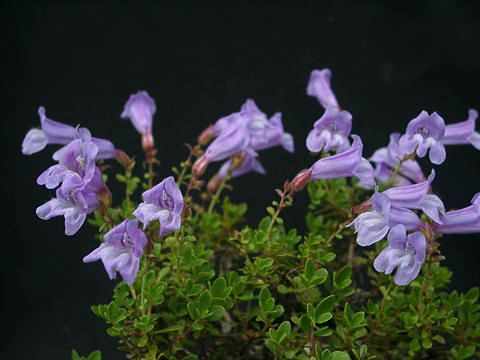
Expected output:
(282, 332)
(343, 278)
(96, 355)
(340, 355)
(267, 303)
(325, 305)
(75, 355)
(324, 317)
(219, 289)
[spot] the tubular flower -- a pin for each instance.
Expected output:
(346, 164)
(54, 132)
(463, 132)
(416, 196)
(163, 202)
(265, 133)
(75, 199)
(425, 134)
(121, 251)
(140, 108)
(372, 226)
(405, 253)
(319, 87)
(78, 157)
(389, 158)
(461, 221)
(330, 132)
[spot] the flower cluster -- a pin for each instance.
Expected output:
(237, 138)
(80, 189)
(395, 213)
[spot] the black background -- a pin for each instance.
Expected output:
(82, 60)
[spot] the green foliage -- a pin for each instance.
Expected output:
(96, 355)
(220, 290)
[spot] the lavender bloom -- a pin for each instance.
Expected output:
(234, 139)
(372, 226)
(461, 221)
(265, 133)
(463, 132)
(163, 202)
(54, 132)
(74, 200)
(416, 196)
(121, 251)
(425, 134)
(404, 253)
(346, 164)
(330, 132)
(140, 109)
(319, 87)
(388, 158)
(78, 157)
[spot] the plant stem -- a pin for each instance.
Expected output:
(217, 194)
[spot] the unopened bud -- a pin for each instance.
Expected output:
(105, 198)
(124, 160)
(206, 136)
(301, 180)
(147, 143)
(214, 184)
(200, 166)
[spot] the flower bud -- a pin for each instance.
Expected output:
(214, 184)
(200, 166)
(301, 180)
(206, 136)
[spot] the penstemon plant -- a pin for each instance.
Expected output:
(364, 282)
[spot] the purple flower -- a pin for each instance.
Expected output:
(404, 253)
(265, 133)
(390, 157)
(121, 251)
(140, 109)
(461, 221)
(372, 226)
(78, 157)
(163, 202)
(75, 199)
(463, 132)
(319, 87)
(346, 164)
(416, 196)
(425, 134)
(330, 132)
(54, 132)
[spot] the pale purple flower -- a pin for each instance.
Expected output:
(54, 132)
(330, 132)
(345, 164)
(461, 221)
(417, 196)
(319, 87)
(390, 157)
(405, 254)
(373, 225)
(265, 133)
(163, 202)
(75, 199)
(425, 134)
(78, 157)
(463, 132)
(140, 109)
(232, 140)
(121, 251)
